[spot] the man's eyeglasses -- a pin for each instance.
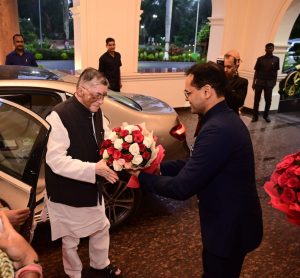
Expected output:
(187, 93)
(95, 96)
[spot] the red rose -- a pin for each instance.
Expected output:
(298, 196)
(117, 129)
(125, 146)
(110, 150)
(285, 163)
(297, 171)
(117, 154)
(291, 170)
(288, 196)
(293, 183)
(124, 133)
(139, 127)
(136, 132)
(283, 179)
(127, 157)
(101, 151)
(106, 143)
(274, 177)
(138, 138)
(146, 155)
(142, 147)
(110, 161)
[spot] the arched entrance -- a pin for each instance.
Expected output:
(247, 26)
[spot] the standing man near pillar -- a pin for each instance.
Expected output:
(236, 89)
(109, 65)
(20, 56)
(265, 78)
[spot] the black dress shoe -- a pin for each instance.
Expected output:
(254, 119)
(267, 119)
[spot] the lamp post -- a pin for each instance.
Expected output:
(196, 29)
(40, 23)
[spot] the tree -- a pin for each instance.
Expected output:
(65, 10)
(54, 14)
(169, 7)
(182, 28)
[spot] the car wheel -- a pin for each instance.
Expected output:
(121, 202)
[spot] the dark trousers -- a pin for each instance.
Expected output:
(219, 267)
(268, 98)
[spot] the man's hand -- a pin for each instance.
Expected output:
(104, 171)
(17, 217)
(134, 172)
(15, 246)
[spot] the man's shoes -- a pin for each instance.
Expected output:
(267, 119)
(254, 119)
(107, 272)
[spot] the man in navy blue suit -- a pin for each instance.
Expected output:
(220, 172)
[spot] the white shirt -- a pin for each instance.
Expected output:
(64, 219)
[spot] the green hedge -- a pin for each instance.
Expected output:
(50, 54)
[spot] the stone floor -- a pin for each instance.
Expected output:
(164, 239)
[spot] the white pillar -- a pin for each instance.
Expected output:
(215, 38)
(96, 20)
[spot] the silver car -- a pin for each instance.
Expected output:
(24, 132)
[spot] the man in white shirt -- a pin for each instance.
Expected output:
(75, 174)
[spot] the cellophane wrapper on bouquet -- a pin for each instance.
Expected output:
(284, 187)
(129, 147)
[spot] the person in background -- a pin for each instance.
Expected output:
(23, 256)
(264, 79)
(75, 174)
(20, 56)
(220, 172)
(109, 65)
(236, 89)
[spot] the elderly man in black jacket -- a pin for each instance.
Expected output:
(236, 89)
(220, 172)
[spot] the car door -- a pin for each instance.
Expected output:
(23, 139)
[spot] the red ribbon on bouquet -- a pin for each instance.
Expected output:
(134, 182)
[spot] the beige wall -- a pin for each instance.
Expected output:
(9, 25)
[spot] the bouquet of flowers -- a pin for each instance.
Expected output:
(129, 147)
(284, 187)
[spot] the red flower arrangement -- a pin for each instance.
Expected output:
(132, 147)
(284, 187)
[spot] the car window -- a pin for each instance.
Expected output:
(18, 134)
(40, 102)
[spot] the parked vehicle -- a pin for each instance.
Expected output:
(293, 52)
(24, 136)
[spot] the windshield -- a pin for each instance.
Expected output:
(124, 100)
(24, 72)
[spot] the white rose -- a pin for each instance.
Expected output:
(134, 149)
(113, 136)
(105, 154)
(131, 128)
(137, 159)
(148, 141)
(121, 161)
(128, 138)
(118, 144)
(117, 166)
(128, 165)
